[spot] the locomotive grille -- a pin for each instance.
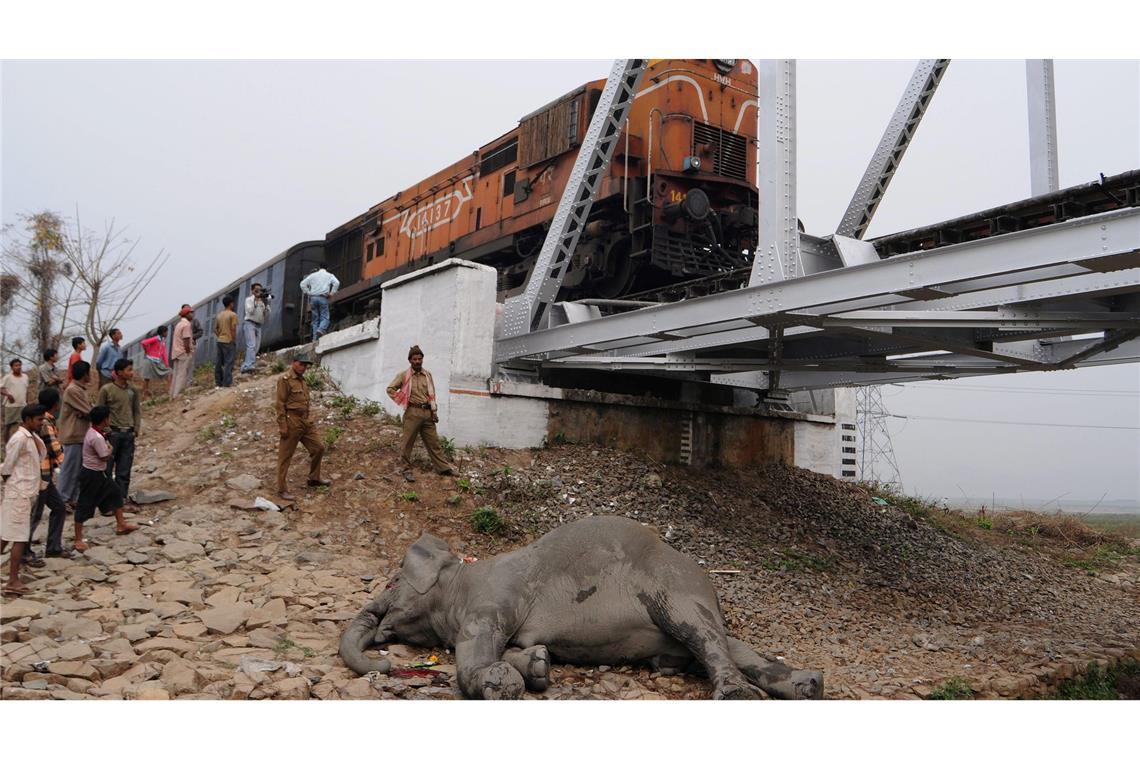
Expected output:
(729, 150)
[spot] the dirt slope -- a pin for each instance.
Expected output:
(886, 604)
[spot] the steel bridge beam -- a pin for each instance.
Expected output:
(778, 252)
(1104, 242)
(526, 312)
(892, 147)
(1043, 170)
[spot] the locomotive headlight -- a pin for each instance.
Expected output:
(725, 65)
(691, 164)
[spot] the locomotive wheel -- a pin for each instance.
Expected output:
(619, 271)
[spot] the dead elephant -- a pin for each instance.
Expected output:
(599, 591)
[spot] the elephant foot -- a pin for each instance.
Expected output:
(500, 680)
(534, 665)
(737, 690)
(807, 684)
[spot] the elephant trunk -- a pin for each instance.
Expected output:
(360, 635)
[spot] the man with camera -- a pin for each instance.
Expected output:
(256, 312)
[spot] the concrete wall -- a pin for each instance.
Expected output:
(449, 310)
(718, 437)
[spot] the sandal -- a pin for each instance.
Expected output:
(80, 546)
(16, 591)
(128, 528)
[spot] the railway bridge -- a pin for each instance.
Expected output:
(731, 367)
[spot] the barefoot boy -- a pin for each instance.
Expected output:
(96, 489)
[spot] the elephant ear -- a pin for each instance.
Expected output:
(425, 560)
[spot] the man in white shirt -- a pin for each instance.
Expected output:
(256, 312)
(319, 286)
(14, 389)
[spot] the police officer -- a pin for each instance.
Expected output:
(296, 426)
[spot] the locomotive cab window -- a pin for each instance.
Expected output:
(508, 183)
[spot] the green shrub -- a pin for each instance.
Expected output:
(229, 422)
(207, 434)
(1120, 681)
(370, 408)
(346, 405)
(410, 496)
(277, 365)
(953, 688)
(487, 520)
(317, 378)
(448, 446)
(332, 435)
(454, 499)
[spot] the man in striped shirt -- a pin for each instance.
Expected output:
(49, 496)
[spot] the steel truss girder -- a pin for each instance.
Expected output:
(1103, 242)
(525, 312)
(1085, 352)
(892, 146)
(1098, 285)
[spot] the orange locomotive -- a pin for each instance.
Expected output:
(679, 201)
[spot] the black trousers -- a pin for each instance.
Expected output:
(58, 514)
(122, 458)
(224, 366)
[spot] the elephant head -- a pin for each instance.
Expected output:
(407, 608)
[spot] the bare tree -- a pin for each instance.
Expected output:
(59, 280)
(107, 280)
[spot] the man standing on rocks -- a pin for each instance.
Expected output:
(182, 353)
(256, 312)
(225, 334)
(49, 375)
(96, 489)
(78, 346)
(73, 424)
(414, 390)
(49, 496)
(14, 389)
(126, 423)
(108, 355)
(21, 474)
(296, 426)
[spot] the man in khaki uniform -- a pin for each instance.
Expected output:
(296, 426)
(414, 390)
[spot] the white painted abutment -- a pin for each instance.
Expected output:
(449, 310)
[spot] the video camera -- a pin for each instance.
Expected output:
(266, 294)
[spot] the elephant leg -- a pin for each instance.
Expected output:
(773, 676)
(670, 664)
(533, 663)
(479, 664)
(688, 620)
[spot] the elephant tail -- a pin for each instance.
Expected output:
(359, 636)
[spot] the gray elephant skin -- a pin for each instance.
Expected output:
(598, 591)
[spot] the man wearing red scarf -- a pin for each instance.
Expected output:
(414, 390)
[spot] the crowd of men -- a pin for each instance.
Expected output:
(71, 450)
(69, 436)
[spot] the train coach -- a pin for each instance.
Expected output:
(288, 320)
(678, 202)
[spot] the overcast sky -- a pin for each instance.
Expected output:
(225, 164)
